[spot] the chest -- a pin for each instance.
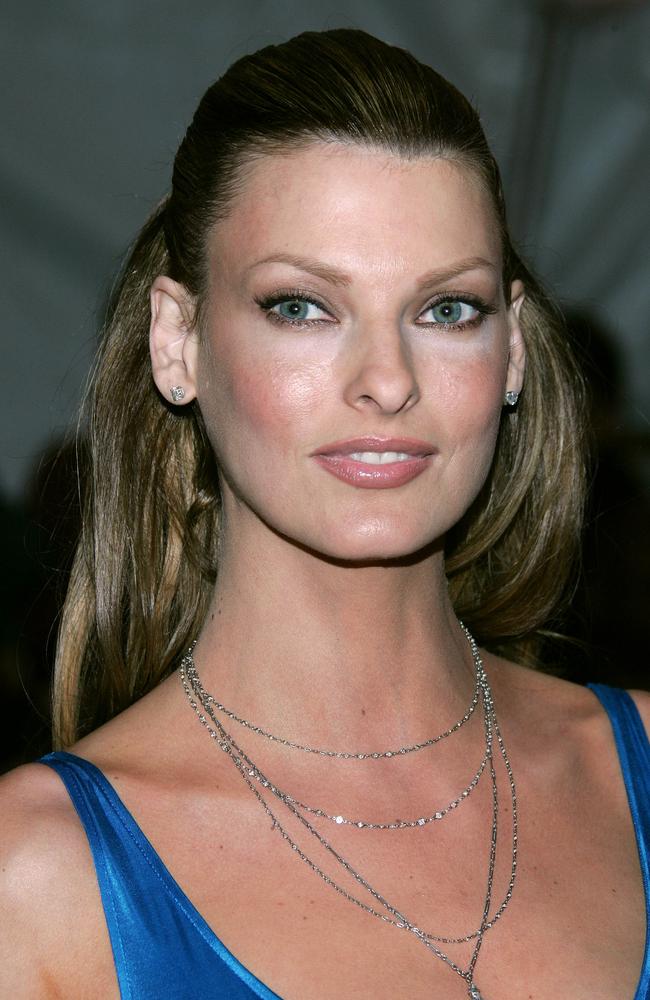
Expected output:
(574, 926)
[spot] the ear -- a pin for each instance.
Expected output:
(517, 352)
(172, 341)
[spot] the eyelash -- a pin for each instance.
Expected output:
(267, 304)
(482, 308)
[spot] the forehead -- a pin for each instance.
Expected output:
(357, 207)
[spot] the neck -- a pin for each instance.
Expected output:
(316, 648)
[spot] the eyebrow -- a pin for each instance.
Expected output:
(328, 273)
(335, 276)
(441, 275)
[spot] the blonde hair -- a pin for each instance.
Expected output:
(146, 561)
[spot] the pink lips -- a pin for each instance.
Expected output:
(337, 459)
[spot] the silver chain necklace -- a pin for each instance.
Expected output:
(397, 824)
(192, 686)
(227, 743)
(350, 754)
(251, 773)
(210, 703)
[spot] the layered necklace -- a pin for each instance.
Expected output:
(210, 712)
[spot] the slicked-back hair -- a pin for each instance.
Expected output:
(147, 558)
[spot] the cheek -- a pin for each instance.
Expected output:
(470, 407)
(472, 393)
(247, 401)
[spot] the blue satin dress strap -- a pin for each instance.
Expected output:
(634, 755)
(162, 946)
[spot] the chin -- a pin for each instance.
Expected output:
(373, 542)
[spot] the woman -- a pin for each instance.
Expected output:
(363, 424)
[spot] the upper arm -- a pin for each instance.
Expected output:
(23, 865)
(48, 894)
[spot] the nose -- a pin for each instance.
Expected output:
(380, 372)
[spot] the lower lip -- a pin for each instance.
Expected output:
(374, 477)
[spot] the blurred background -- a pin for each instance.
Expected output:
(96, 100)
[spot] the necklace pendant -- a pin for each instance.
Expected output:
(474, 993)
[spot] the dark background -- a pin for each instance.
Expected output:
(96, 98)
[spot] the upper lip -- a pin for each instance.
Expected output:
(409, 446)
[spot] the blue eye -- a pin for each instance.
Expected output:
(293, 309)
(453, 312)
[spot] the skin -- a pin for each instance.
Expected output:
(350, 641)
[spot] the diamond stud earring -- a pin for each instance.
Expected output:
(510, 398)
(177, 393)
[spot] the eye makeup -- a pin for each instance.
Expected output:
(293, 296)
(457, 303)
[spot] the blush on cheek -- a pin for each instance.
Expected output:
(261, 401)
(277, 396)
(251, 396)
(473, 419)
(474, 394)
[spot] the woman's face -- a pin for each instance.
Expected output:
(355, 350)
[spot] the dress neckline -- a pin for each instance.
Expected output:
(607, 697)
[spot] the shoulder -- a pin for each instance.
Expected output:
(562, 737)
(45, 866)
(555, 723)
(533, 694)
(39, 821)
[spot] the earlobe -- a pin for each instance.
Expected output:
(517, 349)
(172, 341)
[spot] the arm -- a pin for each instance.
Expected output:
(51, 922)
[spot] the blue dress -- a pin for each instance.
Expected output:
(162, 946)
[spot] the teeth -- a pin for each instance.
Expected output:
(380, 457)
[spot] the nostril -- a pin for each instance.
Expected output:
(381, 374)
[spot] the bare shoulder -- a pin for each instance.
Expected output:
(32, 786)
(39, 824)
(533, 691)
(561, 728)
(46, 877)
(532, 694)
